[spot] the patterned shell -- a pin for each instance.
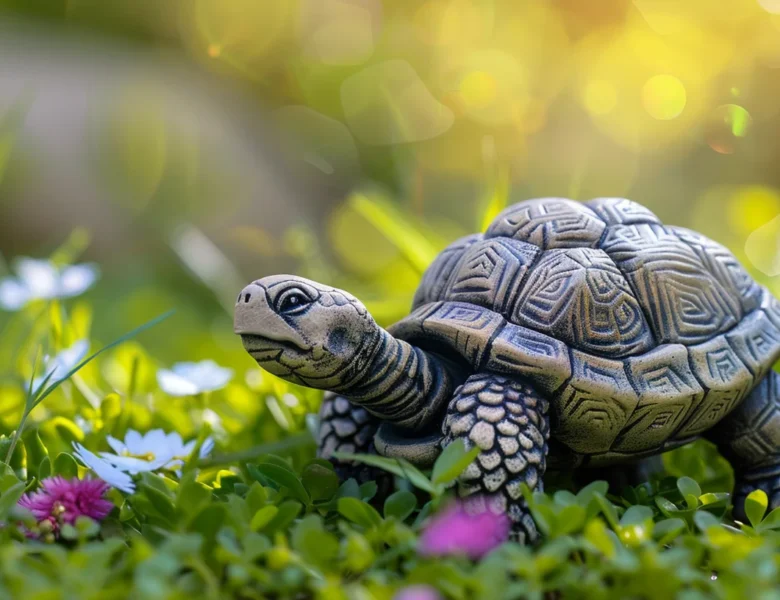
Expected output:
(644, 332)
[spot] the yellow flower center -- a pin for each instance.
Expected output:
(149, 456)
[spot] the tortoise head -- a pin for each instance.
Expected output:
(304, 331)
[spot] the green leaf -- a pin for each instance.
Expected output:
(597, 534)
(288, 511)
(400, 505)
(585, 495)
(349, 489)
(452, 462)
(688, 487)
(396, 466)
(262, 517)
(284, 478)
(704, 520)
(36, 451)
(65, 466)
(608, 509)
(667, 530)
(368, 490)
(667, 507)
(44, 469)
(256, 497)
(191, 496)
(755, 506)
(313, 543)
(320, 482)
(771, 521)
(17, 460)
(637, 515)
(570, 520)
(208, 521)
(161, 502)
(359, 512)
(9, 499)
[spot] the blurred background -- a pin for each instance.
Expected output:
(189, 146)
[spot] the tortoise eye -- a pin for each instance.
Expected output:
(293, 301)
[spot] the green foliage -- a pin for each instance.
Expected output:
(262, 518)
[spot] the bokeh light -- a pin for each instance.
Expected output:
(728, 126)
(663, 97)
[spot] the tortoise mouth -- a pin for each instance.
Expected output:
(261, 344)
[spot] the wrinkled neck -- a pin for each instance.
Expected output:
(401, 383)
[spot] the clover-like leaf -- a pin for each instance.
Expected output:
(400, 505)
(359, 512)
(755, 506)
(690, 491)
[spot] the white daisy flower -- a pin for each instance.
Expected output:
(189, 378)
(57, 367)
(152, 451)
(105, 470)
(138, 453)
(41, 279)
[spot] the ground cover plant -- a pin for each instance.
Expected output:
(125, 477)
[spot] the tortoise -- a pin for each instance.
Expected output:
(567, 335)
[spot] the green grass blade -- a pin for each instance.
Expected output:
(116, 342)
(411, 242)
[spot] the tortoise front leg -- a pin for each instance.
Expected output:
(750, 439)
(508, 421)
(345, 427)
(349, 428)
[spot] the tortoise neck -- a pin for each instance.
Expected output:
(401, 384)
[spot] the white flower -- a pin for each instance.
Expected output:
(41, 279)
(188, 378)
(152, 451)
(105, 470)
(138, 453)
(63, 363)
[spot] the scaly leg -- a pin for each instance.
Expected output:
(750, 439)
(508, 421)
(346, 427)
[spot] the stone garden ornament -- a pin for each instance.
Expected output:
(567, 335)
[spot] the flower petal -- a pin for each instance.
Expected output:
(206, 447)
(77, 279)
(105, 470)
(38, 276)
(174, 384)
(116, 445)
(13, 295)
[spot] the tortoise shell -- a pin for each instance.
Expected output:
(642, 335)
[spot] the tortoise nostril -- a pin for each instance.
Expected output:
(247, 297)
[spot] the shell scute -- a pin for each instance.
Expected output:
(549, 223)
(580, 297)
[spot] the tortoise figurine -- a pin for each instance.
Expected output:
(568, 335)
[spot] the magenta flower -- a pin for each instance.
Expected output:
(62, 500)
(417, 592)
(465, 529)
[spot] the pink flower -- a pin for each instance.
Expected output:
(417, 592)
(62, 500)
(469, 529)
